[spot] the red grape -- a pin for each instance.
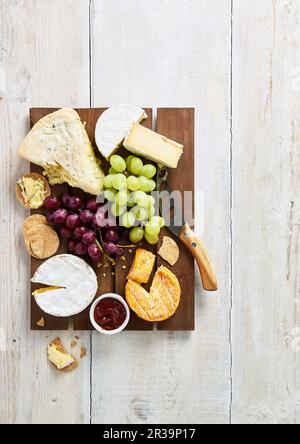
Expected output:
(92, 205)
(66, 233)
(120, 252)
(110, 248)
(95, 252)
(81, 249)
(100, 218)
(86, 217)
(66, 199)
(52, 203)
(111, 236)
(72, 221)
(50, 219)
(59, 216)
(78, 232)
(89, 237)
(75, 203)
(71, 246)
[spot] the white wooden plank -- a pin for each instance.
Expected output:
(44, 59)
(266, 200)
(171, 53)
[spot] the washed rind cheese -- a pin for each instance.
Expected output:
(161, 302)
(146, 143)
(114, 125)
(71, 285)
(59, 143)
(142, 266)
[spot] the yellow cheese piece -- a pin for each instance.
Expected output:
(142, 266)
(146, 143)
(59, 357)
(45, 290)
(33, 191)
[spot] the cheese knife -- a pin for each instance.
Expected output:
(183, 231)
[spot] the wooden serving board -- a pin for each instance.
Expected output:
(177, 124)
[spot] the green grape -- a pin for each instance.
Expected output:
(110, 194)
(141, 198)
(112, 171)
(144, 183)
(157, 220)
(128, 220)
(149, 171)
(150, 201)
(133, 183)
(122, 197)
(117, 210)
(151, 185)
(136, 235)
(108, 181)
(119, 181)
(128, 162)
(150, 212)
(152, 240)
(140, 213)
(152, 230)
(136, 166)
(131, 200)
(118, 163)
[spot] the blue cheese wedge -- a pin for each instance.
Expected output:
(114, 125)
(70, 285)
(146, 143)
(59, 143)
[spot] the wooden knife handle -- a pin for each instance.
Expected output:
(196, 247)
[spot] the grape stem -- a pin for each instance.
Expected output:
(103, 252)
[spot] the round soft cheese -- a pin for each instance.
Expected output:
(71, 285)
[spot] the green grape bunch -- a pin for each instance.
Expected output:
(128, 188)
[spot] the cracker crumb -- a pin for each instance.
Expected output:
(104, 275)
(124, 267)
(123, 258)
(113, 273)
(130, 251)
(83, 352)
(41, 323)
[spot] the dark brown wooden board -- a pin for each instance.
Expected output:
(179, 125)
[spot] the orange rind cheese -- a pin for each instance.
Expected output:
(161, 302)
(142, 266)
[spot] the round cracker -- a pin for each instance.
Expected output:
(32, 221)
(34, 176)
(44, 241)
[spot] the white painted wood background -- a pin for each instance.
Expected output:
(238, 63)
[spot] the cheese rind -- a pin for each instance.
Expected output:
(60, 144)
(153, 146)
(113, 126)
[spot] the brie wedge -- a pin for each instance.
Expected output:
(146, 143)
(59, 143)
(114, 125)
(71, 285)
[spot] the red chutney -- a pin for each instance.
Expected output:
(110, 314)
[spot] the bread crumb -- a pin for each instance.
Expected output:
(124, 267)
(41, 323)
